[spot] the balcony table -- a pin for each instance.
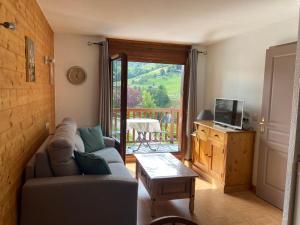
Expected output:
(143, 126)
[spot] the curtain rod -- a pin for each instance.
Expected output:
(101, 43)
(96, 43)
(202, 52)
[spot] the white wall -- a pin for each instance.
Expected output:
(80, 102)
(235, 68)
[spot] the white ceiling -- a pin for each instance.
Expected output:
(178, 21)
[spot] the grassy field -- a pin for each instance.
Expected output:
(171, 81)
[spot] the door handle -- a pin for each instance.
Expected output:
(262, 125)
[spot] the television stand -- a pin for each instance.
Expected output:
(223, 155)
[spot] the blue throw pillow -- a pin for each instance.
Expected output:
(89, 163)
(92, 138)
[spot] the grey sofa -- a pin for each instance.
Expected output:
(48, 199)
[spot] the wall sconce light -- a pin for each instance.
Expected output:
(50, 61)
(9, 25)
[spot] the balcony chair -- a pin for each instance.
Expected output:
(166, 119)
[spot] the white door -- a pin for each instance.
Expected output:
(275, 122)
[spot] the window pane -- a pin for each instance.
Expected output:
(154, 85)
(116, 101)
(154, 92)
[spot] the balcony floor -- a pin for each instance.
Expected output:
(163, 147)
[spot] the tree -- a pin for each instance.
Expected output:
(134, 97)
(148, 101)
(160, 96)
(162, 72)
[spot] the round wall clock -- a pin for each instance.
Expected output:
(76, 75)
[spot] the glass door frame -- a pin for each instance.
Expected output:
(123, 110)
(183, 139)
(143, 51)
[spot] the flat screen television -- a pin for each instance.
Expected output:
(229, 112)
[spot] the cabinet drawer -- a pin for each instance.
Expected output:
(217, 135)
(202, 132)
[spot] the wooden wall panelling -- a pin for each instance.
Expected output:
(141, 51)
(24, 107)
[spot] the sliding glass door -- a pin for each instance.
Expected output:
(118, 70)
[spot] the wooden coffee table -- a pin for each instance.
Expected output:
(165, 178)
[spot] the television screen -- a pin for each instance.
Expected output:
(229, 112)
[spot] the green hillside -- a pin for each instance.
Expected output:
(148, 76)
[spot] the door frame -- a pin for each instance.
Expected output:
(294, 148)
(184, 108)
(156, 52)
(182, 143)
(123, 110)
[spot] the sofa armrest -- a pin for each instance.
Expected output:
(77, 200)
(109, 142)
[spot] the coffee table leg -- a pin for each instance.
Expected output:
(192, 198)
(191, 205)
(153, 207)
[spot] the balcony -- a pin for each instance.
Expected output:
(165, 141)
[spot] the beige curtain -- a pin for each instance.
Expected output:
(192, 100)
(105, 86)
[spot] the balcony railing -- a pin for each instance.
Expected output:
(171, 127)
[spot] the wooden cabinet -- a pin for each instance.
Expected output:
(223, 156)
(216, 166)
(200, 158)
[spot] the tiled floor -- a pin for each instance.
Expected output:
(163, 147)
(212, 207)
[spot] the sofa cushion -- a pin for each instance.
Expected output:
(119, 170)
(79, 145)
(111, 155)
(29, 169)
(92, 138)
(60, 150)
(109, 142)
(42, 164)
(91, 164)
(67, 120)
